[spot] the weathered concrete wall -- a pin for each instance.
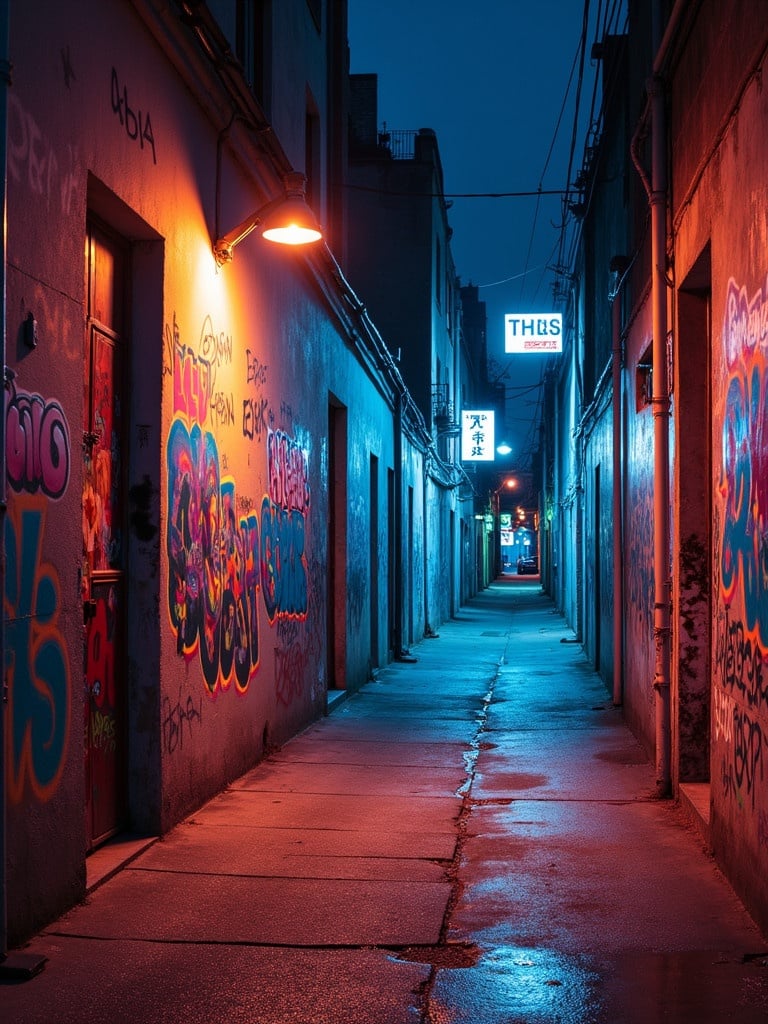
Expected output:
(639, 704)
(722, 208)
(229, 377)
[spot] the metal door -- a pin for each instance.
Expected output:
(103, 568)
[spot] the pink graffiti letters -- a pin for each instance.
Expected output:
(37, 446)
(288, 473)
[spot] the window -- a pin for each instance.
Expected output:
(438, 273)
(312, 152)
(251, 45)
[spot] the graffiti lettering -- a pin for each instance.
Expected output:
(27, 147)
(138, 126)
(283, 563)
(192, 385)
(288, 472)
(215, 347)
(178, 719)
(103, 736)
(744, 481)
(289, 670)
(747, 752)
(741, 665)
(256, 371)
(40, 701)
(722, 707)
(223, 409)
(254, 417)
(726, 778)
(37, 444)
(213, 561)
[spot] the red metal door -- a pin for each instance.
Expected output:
(103, 573)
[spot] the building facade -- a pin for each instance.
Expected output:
(656, 454)
(400, 246)
(222, 496)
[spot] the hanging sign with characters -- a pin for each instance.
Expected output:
(477, 435)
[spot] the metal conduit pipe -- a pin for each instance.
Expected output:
(661, 411)
(618, 505)
(656, 189)
(5, 79)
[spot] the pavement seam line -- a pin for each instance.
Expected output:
(452, 872)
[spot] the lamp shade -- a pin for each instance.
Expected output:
(291, 223)
(286, 220)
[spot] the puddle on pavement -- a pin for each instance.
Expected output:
(514, 985)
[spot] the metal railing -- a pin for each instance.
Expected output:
(401, 145)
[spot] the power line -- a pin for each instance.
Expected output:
(524, 194)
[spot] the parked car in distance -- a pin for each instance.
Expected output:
(527, 566)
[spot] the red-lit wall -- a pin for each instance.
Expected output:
(231, 377)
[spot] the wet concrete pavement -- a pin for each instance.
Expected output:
(472, 837)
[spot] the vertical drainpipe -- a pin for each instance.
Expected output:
(428, 631)
(656, 189)
(618, 506)
(397, 639)
(5, 81)
(661, 411)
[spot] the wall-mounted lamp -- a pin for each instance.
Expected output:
(286, 220)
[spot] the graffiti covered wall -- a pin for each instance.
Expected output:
(38, 455)
(740, 629)
(238, 508)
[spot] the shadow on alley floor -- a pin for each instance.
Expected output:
(472, 837)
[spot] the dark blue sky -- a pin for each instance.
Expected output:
(492, 79)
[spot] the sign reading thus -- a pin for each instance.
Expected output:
(533, 332)
(477, 430)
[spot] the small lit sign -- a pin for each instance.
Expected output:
(477, 435)
(533, 332)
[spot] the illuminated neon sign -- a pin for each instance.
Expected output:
(533, 332)
(477, 435)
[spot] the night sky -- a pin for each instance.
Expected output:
(498, 81)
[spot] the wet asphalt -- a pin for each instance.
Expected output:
(473, 836)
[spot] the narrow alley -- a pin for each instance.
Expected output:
(471, 837)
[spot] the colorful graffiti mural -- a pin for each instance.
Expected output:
(40, 698)
(741, 627)
(38, 457)
(744, 484)
(222, 553)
